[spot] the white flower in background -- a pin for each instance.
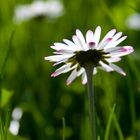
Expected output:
(50, 8)
(133, 21)
(15, 122)
(76, 54)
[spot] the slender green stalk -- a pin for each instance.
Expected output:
(89, 73)
(118, 128)
(108, 127)
(7, 120)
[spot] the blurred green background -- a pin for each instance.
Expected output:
(41, 101)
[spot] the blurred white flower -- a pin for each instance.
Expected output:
(14, 127)
(50, 8)
(15, 122)
(77, 54)
(133, 21)
(17, 113)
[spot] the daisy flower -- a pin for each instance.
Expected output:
(75, 55)
(50, 8)
(132, 21)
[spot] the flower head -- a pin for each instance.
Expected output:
(76, 54)
(50, 8)
(132, 21)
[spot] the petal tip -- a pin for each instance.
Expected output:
(54, 74)
(124, 74)
(98, 27)
(108, 39)
(78, 30)
(68, 82)
(128, 49)
(45, 58)
(84, 83)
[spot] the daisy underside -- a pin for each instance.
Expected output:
(75, 55)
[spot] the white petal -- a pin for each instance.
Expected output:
(81, 38)
(117, 36)
(84, 78)
(114, 59)
(64, 52)
(112, 40)
(109, 41)
(104, 44)
(77, 42)
(121, 51)
(59, 62)
(62, 46)
(65, 68)
(94, 71)
(112, 49)
(97, 35)
(89, 36)
(105, 67)
(56, 58)
(80, 71)
(117, 69)
(114, 43)
(70, 43)
(72, 76)
(108, 35)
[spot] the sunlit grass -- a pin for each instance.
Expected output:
(4, 125)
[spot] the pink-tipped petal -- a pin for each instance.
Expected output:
(62, 51)
(121, 51)
(103, 45)
(91, 45)
(68, 82)
(114, 43)
(72, 76)
(89, 36)
(108, 39)
(108, 35)
(127, 49)
(54, 74)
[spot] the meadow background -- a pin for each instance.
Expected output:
(40, 102)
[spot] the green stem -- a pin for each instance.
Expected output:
(89, 73)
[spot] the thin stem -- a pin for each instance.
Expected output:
(89, 73)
